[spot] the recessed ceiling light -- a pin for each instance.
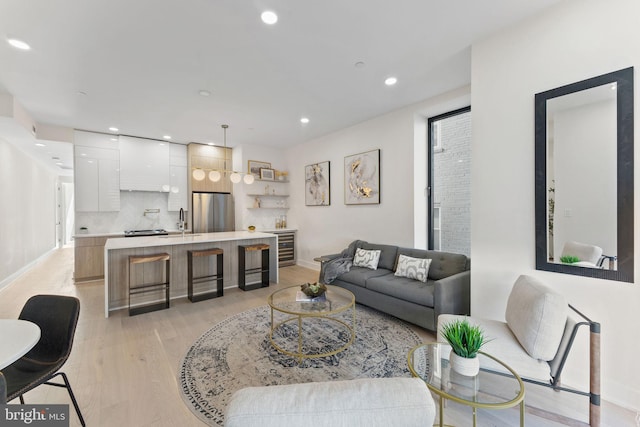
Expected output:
(19, 44)
(269, 17)
(304, 120)
(83, 154)
(390, 81)
(59, 163)
(167, 137)
(204, 92)
(114, 139)
(113, 129)
(359, 64)
(40, 144)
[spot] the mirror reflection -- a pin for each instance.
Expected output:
(581, 178)
(584, 177)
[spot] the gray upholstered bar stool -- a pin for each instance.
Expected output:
(243, 271)
(135, 289)
(218, 276)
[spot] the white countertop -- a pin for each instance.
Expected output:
(178, 239)
(117, 234)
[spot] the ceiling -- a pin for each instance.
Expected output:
(140, 65)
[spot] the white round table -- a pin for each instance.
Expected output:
(17, 337)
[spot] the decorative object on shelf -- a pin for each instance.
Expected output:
(251, 228)
(84, 230)
(267, 174)
(317, 184)
(362, 178)
(256, 202)
(313, 289)
(254, 167)
(282, 175)
(465, 341)
(216, 175)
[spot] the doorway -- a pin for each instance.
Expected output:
(449, 189)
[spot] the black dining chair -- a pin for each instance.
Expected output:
(3, 390)
(57, 317)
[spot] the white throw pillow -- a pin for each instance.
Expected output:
(368, 259)
(413, 268)
(537, 316)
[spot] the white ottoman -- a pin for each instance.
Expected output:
(369, 402)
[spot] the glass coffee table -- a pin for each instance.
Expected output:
(289, 311)
(488, 389)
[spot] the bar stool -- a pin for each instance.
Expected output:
(218, 276)
(263, 269)
(149, 287)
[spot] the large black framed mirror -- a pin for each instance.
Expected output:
(584, 178)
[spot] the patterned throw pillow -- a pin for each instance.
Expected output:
(413, 268)
(368, 259)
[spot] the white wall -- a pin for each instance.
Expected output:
(400, 136)
(27, 211)
(573, 41)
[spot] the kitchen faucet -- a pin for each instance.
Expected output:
(181, 224)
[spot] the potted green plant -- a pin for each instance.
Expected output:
(465, 341)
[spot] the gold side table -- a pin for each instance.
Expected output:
(488, 389)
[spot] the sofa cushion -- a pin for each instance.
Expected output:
(443, 264)
(350, 251)
(367, 259)
(359, 275)
(403, 288)
(387, 255)
(413, 268)
(536, 315)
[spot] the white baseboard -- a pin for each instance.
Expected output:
(313, 265)
(24, 269)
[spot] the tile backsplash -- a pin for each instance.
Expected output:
(131, 215)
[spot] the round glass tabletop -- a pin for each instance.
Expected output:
(292, 300)
(488, 389)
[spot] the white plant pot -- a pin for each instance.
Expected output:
(463, 365)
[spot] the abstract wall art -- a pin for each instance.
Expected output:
(317, 184)
(362, 178)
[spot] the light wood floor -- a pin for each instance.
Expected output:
(124, 369)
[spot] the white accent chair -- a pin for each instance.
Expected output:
(536, 338)
(371, 402)
(589, 255)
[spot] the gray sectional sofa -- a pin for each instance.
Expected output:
(447, 289)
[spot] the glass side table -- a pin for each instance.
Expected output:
(488, 389)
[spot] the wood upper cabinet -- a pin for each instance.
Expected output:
(144, 164)
(96, 172)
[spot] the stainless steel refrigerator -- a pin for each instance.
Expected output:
(213, 212)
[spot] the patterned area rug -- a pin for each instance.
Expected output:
(237, 353)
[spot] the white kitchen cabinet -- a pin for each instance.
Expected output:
(144, 164)
(178, 178)
(86, 184)
(97, 179)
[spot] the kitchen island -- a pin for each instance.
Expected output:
(118, 250)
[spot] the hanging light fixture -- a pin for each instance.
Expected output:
(216, 175)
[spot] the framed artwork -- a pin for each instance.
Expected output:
(254, 167)
(362, 178)
(317, 188)
(267, 174)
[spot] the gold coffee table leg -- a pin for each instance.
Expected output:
(300, 339)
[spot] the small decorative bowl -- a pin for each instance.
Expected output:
(252, 228)
(313, 289)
